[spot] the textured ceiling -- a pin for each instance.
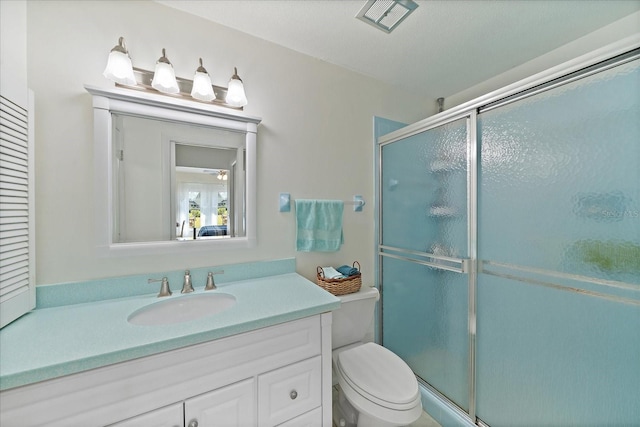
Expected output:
(444, 46)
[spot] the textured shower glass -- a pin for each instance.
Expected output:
(424, 209)
(425, 322)
(424, 191)
(558, 300)
(560, 178)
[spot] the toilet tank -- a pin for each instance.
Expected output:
(354, 318)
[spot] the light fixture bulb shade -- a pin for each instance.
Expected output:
(202, 88)
(119, 68)
(164, 78)
(235, 93)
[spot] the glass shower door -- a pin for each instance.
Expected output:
(423, 251)
(559, 255)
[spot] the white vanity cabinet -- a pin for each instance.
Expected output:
(277, 375)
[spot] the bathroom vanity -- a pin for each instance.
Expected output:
(266, 361)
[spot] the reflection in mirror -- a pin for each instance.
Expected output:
(176, 181)
(201, 200)
(204, 192)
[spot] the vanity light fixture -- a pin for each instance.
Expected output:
(164, 78)
(235, 95)
(164, 81)
(119, 68)
(202, 88)
(222, 175)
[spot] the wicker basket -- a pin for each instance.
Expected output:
(343, 286)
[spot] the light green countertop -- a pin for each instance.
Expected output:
(52, 342)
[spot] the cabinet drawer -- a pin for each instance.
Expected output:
(290, 391)
(310, 419)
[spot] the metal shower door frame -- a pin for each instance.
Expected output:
(460, 265)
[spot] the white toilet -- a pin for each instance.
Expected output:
(377, 389)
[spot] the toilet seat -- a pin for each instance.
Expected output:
(378, 384)
(379, 375)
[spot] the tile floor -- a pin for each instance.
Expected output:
(425, 419)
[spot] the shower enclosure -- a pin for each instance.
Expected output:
(509, 248)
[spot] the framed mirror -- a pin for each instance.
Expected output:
(171, 174)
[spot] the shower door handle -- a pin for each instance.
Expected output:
(457, 265)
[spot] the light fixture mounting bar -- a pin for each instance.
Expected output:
(144, 78)
(386, 15)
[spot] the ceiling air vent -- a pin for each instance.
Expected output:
(386, 15)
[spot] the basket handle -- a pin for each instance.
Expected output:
(354, 265)
(320, 272)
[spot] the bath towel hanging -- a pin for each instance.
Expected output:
(319, 225)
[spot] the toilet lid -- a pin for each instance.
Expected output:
(379, 375)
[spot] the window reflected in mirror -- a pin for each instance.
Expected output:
(202, 203)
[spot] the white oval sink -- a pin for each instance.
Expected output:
(182, 308)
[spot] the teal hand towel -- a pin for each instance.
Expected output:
(319, 225)
(347, 270)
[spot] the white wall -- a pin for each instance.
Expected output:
(13, 56)
(622, 28)
(315, 140)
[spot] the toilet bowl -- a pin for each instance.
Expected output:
(376, 387)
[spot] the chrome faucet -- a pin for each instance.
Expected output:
(211, 285)
(164, 286)
(186, 285)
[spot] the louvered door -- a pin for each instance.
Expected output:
(17, 249)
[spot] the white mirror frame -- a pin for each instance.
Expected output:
(129, 101)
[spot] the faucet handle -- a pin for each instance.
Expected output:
(165, 291)
(210, 282)
(186, 285)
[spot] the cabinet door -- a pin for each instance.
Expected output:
(169, 416)
(231, 406)
(17, 229)
(290, 391)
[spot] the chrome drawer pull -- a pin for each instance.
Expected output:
(293, 394)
